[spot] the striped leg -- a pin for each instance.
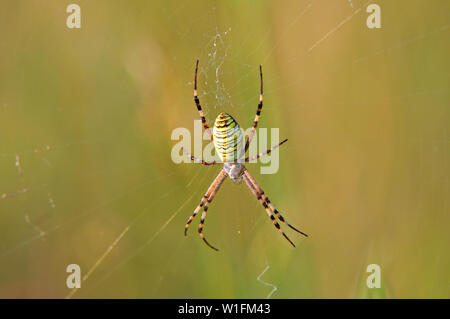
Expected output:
(250, 159)
(205, 197)
(199, 107)
(195, 159)
(205, 209)
(269, 213)
(266, 199)
(258, 113)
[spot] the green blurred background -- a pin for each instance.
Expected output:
(86, 177)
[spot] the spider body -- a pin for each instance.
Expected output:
(234, 171)
(227, 137)
(228, 142)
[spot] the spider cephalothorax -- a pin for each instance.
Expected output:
(234, 171)
(228, 142)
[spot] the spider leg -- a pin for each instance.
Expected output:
(204, 198)
(258, 113)
(195, 159)
(272, 207)
(199, 107)
(269, 213)
(250, 159)
(205, 209)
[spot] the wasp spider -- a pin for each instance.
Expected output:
(227, 138)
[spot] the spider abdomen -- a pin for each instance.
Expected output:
(228, 139)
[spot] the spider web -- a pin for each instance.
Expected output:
(108, 198)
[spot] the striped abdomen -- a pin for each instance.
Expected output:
(228, 139)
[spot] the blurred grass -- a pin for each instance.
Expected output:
(90, 112)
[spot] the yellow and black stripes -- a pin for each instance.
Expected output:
(199, 107)
(258, 112)
(228, 138)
